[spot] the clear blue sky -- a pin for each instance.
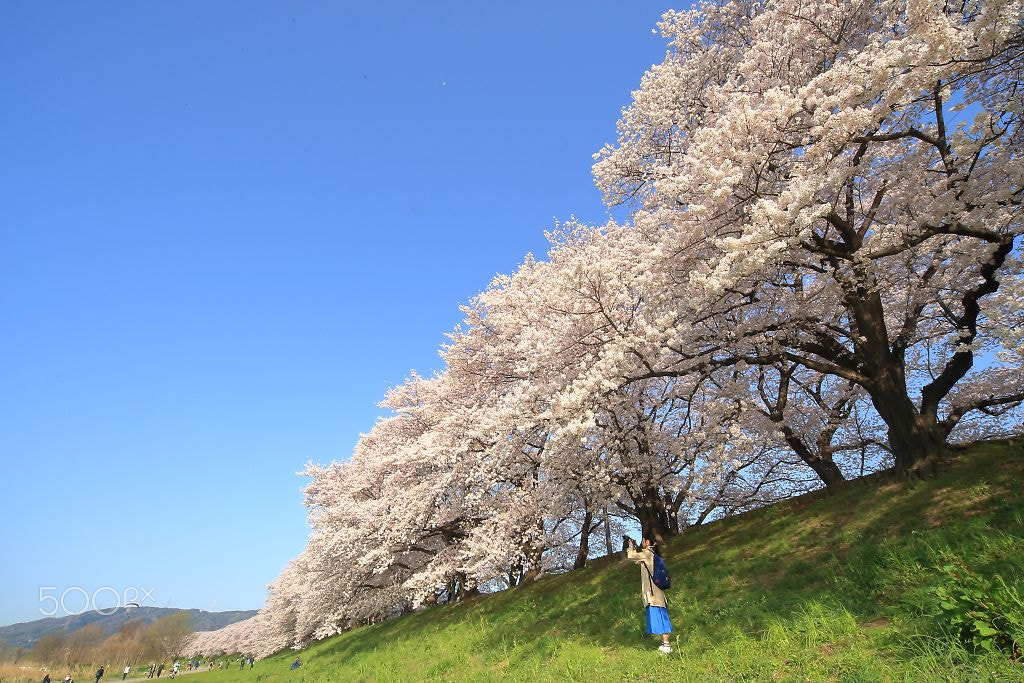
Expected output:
(227, 228)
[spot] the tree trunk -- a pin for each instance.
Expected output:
(607, 533)
(532, 567)
(829, 473)
(704, 514)
(532, 556)
(653, 517)
(821, 463)
(584, 549)
(916, 439)
(459, 586)
(918, 443)
(514, 572)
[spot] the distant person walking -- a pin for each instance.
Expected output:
(159, 669)
(252, 661)
(99, 674)
(46, 678)
(127, 668)
(655, 602)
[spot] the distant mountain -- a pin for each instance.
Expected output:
(27, 633)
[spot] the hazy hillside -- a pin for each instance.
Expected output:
(27, 633)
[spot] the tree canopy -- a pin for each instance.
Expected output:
(820, 278)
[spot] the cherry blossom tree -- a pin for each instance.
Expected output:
(820, 276)
(843, 180)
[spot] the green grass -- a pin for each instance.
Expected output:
(838, 589)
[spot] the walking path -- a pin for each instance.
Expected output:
(166, 675)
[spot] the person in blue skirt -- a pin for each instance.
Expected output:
(655, 602)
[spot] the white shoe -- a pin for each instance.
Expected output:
(665, 648)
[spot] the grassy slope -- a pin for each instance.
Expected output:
(836, 589)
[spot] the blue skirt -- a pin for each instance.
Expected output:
(657, 621)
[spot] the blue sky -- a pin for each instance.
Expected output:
(227, 228)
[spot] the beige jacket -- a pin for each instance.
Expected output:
(653, 596)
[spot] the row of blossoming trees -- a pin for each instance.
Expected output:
(820, 278)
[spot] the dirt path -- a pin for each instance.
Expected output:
(166, 675)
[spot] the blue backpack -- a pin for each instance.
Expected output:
(660, 576)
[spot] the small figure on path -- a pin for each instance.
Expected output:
(655, 602)
(159, 669)
(99, 674)
(124, 675)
